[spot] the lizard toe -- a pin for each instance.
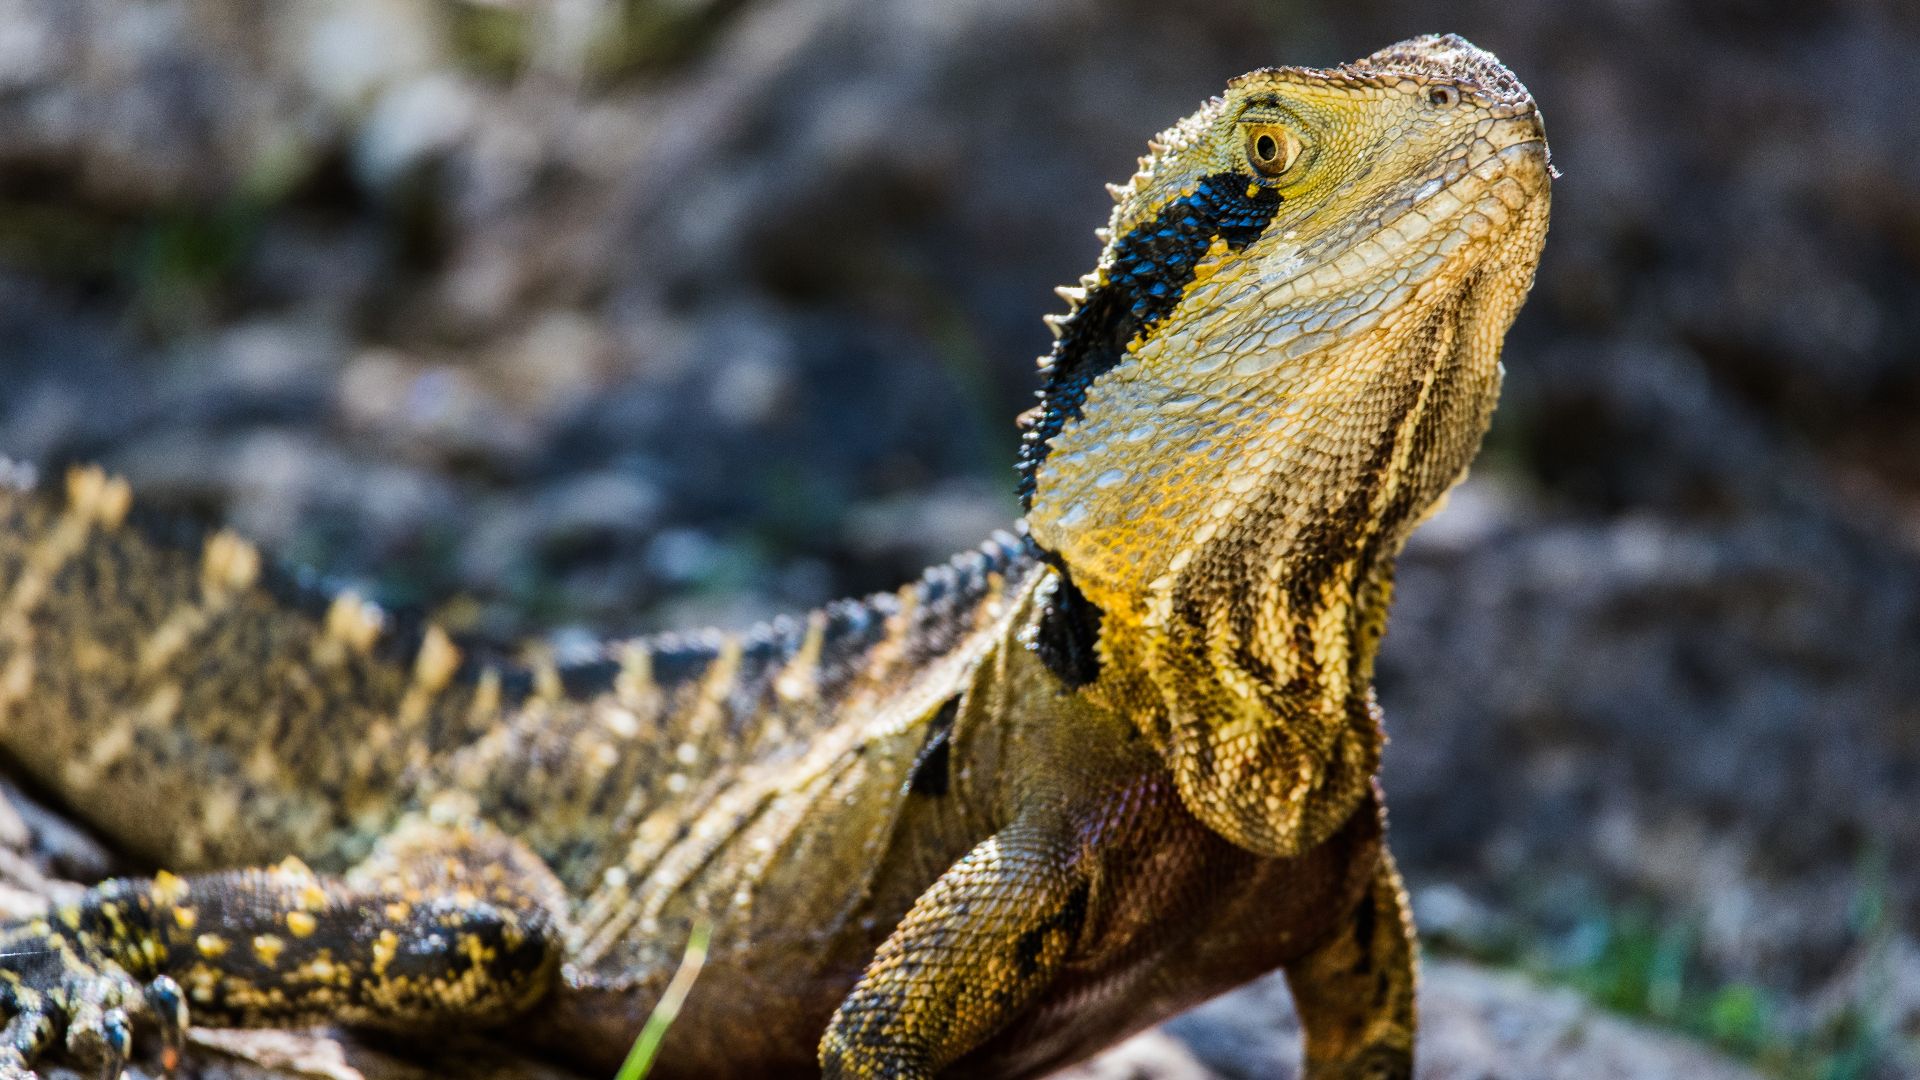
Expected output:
(99, 1029)
(28, 1032)
(167, 1005)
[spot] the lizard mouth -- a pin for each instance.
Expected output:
(1450, 201)
(1470, 200)
(1531, 162)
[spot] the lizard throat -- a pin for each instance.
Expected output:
(1142, 282)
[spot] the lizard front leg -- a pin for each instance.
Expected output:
(441, 926)
(1355, 993)
(975, 949)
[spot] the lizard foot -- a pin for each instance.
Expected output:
(61, 986)
(1375, 1063)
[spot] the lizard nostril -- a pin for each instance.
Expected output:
(1443, 96)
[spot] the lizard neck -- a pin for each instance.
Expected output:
(1244, 539)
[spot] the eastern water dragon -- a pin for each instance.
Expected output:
(1055, 790)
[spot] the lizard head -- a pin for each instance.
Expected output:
(1288, 353)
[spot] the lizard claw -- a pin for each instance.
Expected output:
(167, 1004)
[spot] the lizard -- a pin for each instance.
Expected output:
(1103, 768)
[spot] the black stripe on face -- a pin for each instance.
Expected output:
(1151, 268)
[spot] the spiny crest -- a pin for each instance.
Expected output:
(94, 495)
(1125, 213)
(437, 661)
(1076, 297)
(1129, 205)
(228, 564)
(353, 622)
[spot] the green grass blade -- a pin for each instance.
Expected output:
(640, 1058)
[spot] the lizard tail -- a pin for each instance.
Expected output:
(197, 705)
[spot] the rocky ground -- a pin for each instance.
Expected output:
(1479, 1024)
(619, 314)
(1482, 1026)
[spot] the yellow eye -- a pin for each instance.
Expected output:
(1271, 148)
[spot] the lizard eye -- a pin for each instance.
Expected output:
(1271, 148)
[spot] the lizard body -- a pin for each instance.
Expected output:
(1048, 794)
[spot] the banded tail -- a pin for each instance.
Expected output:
(204, 708)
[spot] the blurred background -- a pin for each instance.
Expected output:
(592, 316)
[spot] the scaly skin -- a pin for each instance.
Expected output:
(1045, 796)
